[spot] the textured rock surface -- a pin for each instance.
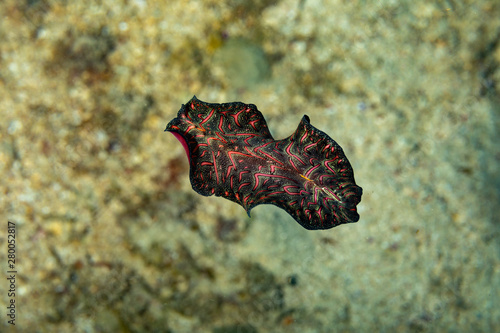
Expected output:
(112, 238)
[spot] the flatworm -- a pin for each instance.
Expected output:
(233, 155)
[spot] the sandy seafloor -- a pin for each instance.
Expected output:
(110, 235)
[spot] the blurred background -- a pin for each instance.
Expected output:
(110, 235)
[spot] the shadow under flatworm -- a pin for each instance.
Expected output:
(233, 155)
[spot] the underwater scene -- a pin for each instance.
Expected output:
(256, 166)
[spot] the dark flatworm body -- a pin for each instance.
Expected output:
(233, 155)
